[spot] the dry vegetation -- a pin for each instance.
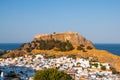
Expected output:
(100, 55)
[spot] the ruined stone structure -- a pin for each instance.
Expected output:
(73, 37)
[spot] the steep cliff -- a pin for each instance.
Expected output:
(73, 37)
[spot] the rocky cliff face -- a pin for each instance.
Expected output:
(73, 37)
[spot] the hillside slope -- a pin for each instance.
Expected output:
(52, 44)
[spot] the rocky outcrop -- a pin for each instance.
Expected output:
(73, 37)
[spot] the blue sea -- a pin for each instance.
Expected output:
(9, 46)
(113, 48)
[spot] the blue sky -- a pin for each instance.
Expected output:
(97, 20)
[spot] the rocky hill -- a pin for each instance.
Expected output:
(64, 44)
(73, 37)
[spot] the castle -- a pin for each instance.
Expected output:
(73, 37)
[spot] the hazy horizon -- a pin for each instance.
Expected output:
(96, 20)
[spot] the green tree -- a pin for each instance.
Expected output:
(103, 67)
(96, 65)
(69, 46)
(51, 74)
(42, 45)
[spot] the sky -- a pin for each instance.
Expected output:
(97, 20)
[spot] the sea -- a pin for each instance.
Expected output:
(113, 48)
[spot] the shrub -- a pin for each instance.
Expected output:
(84, 50)
(113, 70)
(103, 67)
(89, 47)
(51, 74)
(72, 56)
(96, 65)
(80, 47)
(51, 56)
(69, 46)
(94, 59)
(28, 49)
(56, 45)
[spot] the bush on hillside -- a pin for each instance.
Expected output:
(89, 47)
(103, 67)
(51, 74)
(113, 70)
(72, 56)
(69, 46)
(56, 45)
(80, 47)
(47, 45)
(95, 64)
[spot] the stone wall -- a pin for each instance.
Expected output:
(73, 37)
